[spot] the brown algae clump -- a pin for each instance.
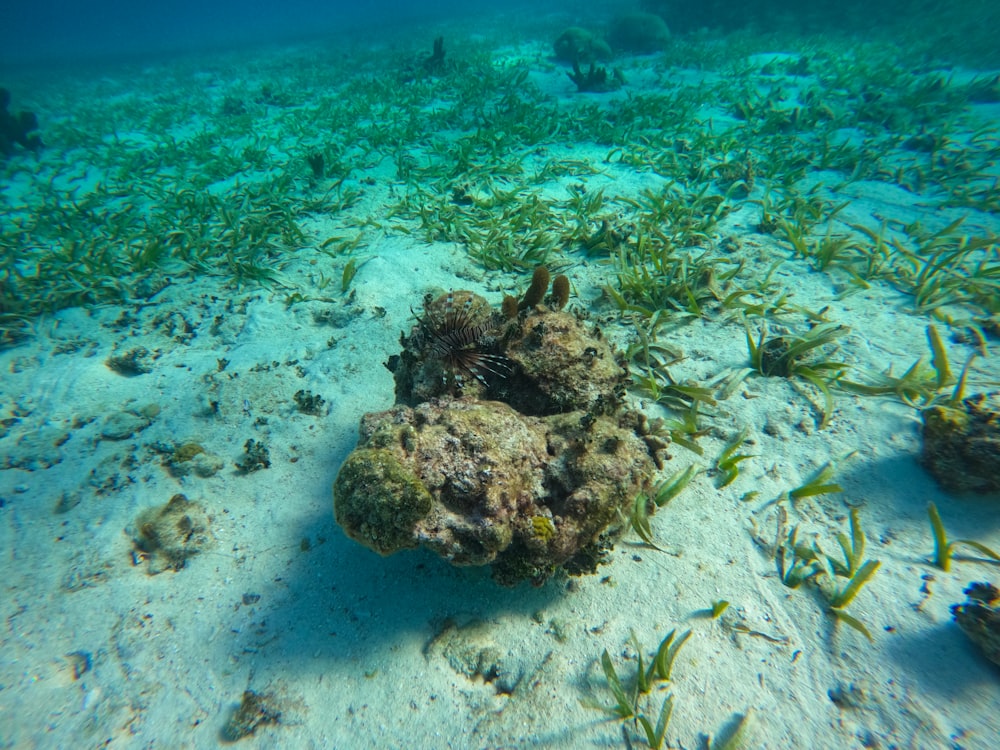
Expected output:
(168, 535)
(378, 500)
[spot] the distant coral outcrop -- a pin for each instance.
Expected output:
(17, 129)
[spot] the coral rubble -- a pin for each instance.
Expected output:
(170, 534)
(979, 618)
(531, 465)
(961, 444)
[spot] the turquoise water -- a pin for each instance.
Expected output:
(210, 261)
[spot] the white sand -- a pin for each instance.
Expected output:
(360, 651)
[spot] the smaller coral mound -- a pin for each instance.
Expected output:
(453, 349)
(577, 45)
(961, 444)
(979, 618)
(170, 534)
(17, 129)
(638, 33)
(563, 364)
(533, 355)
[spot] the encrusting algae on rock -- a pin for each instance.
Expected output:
(961, 444)
(508, 447)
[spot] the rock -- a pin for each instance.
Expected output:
(481, 484)
(638, 33)
(192, 458)
(576, 45)
(121, 425)
(979, 618)
(509, 445)
(564, 365)
(961, 444)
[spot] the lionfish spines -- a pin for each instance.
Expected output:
(459, 328)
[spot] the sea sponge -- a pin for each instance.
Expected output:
(536, 292)
(508, 308)
(560, 292)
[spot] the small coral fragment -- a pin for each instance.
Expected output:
(256, 457)
(192, 458)
(136, 361)
(172, 533)
(185, 452)
(255, 710)
(543, 527)
(961, 444)
(979, 618)
(309, 403)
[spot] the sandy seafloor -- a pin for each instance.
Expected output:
(359, 651)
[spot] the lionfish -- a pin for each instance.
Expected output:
(461, 336)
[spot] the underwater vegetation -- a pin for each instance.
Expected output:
(689, 207)
(632, 696)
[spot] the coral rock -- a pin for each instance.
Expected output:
(979, 618)
(563, 365)
(639, 33)
(961, 444)
(469, 479)
(509, 446)
(577, 45)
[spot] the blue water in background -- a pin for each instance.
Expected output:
(60, 30)
(43, 31)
